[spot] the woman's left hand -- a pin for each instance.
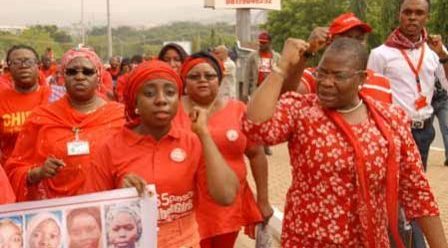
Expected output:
(199, 118)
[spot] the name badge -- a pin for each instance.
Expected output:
(78, 147)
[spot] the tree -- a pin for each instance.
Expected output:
(299, 17)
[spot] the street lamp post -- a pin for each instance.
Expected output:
(83, 30)
(109, 31)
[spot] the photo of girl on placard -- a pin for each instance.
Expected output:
(123, 226)
(11, 232)
(44, 230)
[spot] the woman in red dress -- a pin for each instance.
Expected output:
(218, 225)
(52, 153)
(151, 150)
(354, 160)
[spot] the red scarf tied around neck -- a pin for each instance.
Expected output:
(397, 40)
(391, 174)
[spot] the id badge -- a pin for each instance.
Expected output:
(78, 147)
(421, 102)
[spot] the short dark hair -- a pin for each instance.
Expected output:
(182, 54)
(353, 49)
(137, 59)
(427, 1)
(18, 47)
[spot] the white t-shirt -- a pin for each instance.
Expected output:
(389, 62)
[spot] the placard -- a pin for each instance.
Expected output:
(110, 219)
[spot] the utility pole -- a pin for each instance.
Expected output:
(83, 30)
(109, 32)
(243, 30)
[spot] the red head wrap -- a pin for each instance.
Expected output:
(150, 70)
(85, 53)
(191, 62)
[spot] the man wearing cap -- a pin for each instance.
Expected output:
(345, 25)
(413, 61)
(259, 64)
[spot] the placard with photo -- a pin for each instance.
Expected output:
(110, 219)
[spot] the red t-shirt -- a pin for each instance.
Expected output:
(264, 66)
(172, 164)
(225, 129)
(15, 107)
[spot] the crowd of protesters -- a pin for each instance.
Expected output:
(358, 128)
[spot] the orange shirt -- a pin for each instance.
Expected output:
(49, 72)
(376, 85)
(6, 192)
(225, 129)
(171, 163)
(121, 83)
(106, 83)
(47, 132)
(14, 110)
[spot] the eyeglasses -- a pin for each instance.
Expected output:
(22, 62)
(339, 76)
(85, 71)
(207, 76)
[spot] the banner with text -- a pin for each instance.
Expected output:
(243, 4)
(118, 218)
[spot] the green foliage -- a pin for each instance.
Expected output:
(299, 17)
(129, 41)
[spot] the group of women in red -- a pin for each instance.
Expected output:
(172, 130)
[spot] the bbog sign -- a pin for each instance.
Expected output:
(243, 4)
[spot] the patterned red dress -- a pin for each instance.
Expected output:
(323, 206)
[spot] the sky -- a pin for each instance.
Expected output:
(123, 12)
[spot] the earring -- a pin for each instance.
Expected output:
(136, 111)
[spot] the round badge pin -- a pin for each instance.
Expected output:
(178, 155)
(232, 135)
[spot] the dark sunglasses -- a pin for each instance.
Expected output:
(85, 71)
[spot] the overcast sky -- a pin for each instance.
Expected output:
(123, 12)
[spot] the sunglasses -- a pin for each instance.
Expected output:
(85, 71)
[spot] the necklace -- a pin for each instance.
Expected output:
(346, 111)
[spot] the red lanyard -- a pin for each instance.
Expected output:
(416, 71)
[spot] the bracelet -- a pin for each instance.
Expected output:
(279, 71)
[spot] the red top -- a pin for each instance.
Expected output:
(172, 164)
(50, 71)
(15, 107)
(47, 132)
(376, 85)
(323, 206)
(121, 83)
(114, 73)
(225, 129)
(264, 66)
(6, 192)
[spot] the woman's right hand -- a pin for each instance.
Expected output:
(50, 169)
(131, 180)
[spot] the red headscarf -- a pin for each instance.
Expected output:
(85, 53)
(191, 62)
(150, 70)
